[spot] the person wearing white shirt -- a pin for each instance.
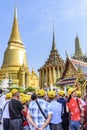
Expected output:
(6, 116)
(2, 101)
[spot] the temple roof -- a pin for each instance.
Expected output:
(15, 35)
(82, 65)
(54, 58)
(76, 65)
(66, 81)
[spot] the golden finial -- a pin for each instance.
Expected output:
(53, 44)
(76, 34)
(15, 35)
(53, 25)
(66, 53)
(15, 12)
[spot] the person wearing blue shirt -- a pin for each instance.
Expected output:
(56, 107)
(35, 116)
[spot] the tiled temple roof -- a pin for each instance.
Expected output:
(76, 64)
(66, 81)
(82, 65)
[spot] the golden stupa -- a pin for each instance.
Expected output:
(15, 61)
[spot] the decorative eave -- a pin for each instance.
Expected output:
(70, 81)
(66, 81)
(68, 60)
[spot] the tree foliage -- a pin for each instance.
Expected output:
(30, 89)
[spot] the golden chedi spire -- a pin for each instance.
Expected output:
(15, 60)
(15, 54)
(15, 35)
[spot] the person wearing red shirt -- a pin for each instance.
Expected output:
(85, 114)
(24, 113)
(73, 106)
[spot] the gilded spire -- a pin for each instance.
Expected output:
(53, 43)
(78, 51)
(15, 35)
(54, 58)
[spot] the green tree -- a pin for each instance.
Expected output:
(30, 89)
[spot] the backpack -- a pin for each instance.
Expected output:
(85, 117)
(64, 117)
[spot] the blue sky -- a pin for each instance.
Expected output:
(35, 18)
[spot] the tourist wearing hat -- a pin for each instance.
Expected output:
(2, 102)
(37, 119)
(15, 110)
(85, 114)
(74, 107)
(5, 115)
(24, 101)
(78, 94)
(34, 96)
(65, 115)
(56, 121)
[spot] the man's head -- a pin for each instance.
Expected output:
(41, 93)
(61, 93)
(72, 91)
(8, 96)
(15, 93)
(51, 94)
(33, 96)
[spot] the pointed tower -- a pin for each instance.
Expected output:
(15, 48)
(15, 61)
(78, 52)
(52, 69)
(53, 43)
(15, 35)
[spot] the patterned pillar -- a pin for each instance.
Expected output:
(53, 75)
(58, 73)
(42, 78)
(23, 79)
(27, 79)
(50, 77)
(46, 77)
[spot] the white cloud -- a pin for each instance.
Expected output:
(68, 14)
(68, 10)
(82, 7)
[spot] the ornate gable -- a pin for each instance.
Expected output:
(70, 69)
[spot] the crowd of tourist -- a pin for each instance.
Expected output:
(43, 110)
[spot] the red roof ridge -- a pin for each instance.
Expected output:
(79, 62)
